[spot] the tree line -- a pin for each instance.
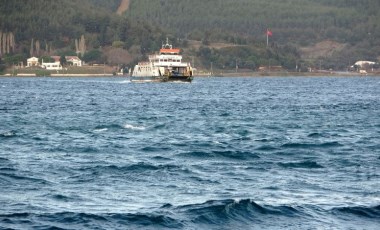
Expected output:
(45, 27)
(297, 23)
(70, 27)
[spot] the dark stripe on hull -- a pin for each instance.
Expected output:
(161, 79)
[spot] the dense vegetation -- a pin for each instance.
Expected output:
(248, 57)
(52, 28)
(293, 22)
(45, 27)
(300, 21)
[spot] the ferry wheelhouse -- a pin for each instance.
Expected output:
(165, 66)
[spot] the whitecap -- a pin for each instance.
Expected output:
(133, 127)
(180, 82)
(124, 82)
(100, 130)
(8, 134)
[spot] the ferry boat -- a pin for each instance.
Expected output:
(165, 66)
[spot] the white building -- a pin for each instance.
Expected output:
(56, 65)
(33, 61)
(361, 64)
(74, 60)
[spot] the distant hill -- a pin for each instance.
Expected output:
(301, 23)
(307, 33)
(45, 27)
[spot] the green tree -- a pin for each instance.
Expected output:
(63, 60)
(93, 56)
(10, 60)
(45, 59)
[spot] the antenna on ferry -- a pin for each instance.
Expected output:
(167, 45)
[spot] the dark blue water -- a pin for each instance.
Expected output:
(219, 153)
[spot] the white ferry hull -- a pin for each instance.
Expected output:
(163, 67)
(150, 73)
(143, 79)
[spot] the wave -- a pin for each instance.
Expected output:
(227, 154)
(242, 211)
(155, 148)
(212, 214)
(72, 149)
(7, 134)
(66, 220)
(309, 145)
(134, 127)
(302, 164)
(140, 167)
(60, 197)
(367, 212)
(246, 212)
(14, 178)
(266, 148)
(2, 159)
(101, 128)
(124, 82)
(137, 168)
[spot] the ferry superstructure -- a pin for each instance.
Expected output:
(165, 66)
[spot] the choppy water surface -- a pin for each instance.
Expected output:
(219, 153)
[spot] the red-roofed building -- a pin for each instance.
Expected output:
(74, 60)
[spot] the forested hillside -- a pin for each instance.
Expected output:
(111, 5)
(45, 27)
(306, 33)
(300, 23)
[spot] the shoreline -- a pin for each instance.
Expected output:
(221, 75)
(292, 74)
(64, 75)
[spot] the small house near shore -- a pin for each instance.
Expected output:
(33, 61)
(271, 69)
(363, 64)
(74, 60)
(56, 65)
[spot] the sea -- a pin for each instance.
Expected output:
(217, 153)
